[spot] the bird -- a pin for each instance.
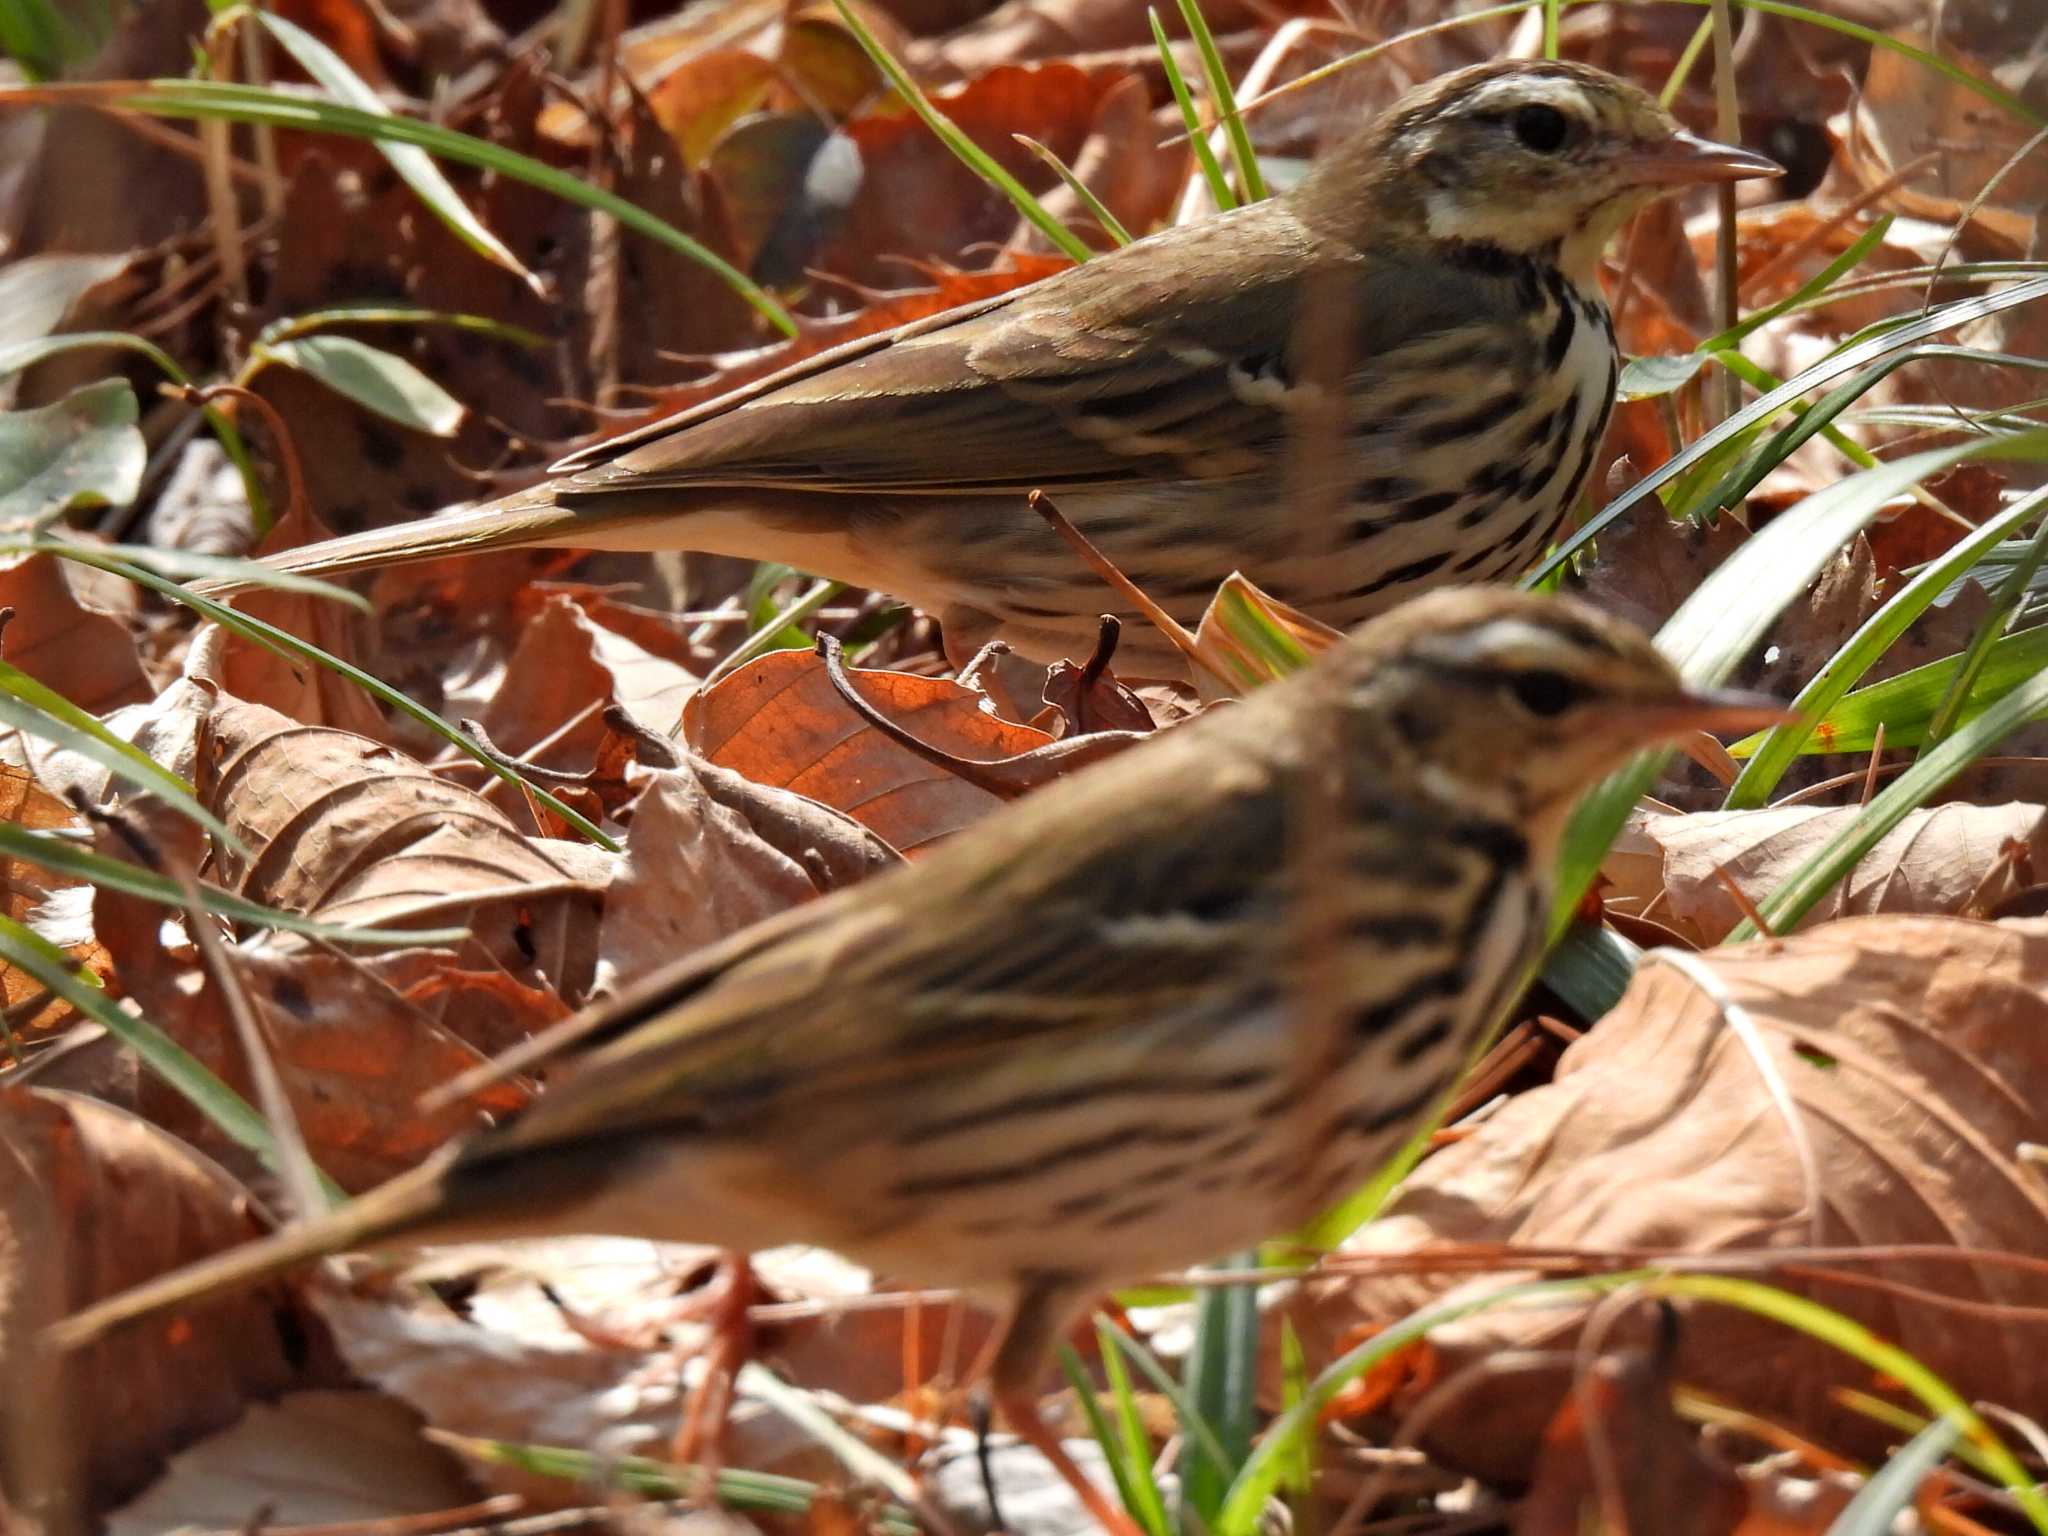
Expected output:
(1175, 1003)
(1393, 375)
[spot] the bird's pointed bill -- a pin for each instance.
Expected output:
(1686, 157)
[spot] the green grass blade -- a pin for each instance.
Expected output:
(1884, 1358)
(1843, 363)
(1097, 209)
(768, 1492)
(62, 856)
(35, 957)
(1131, 1475)
(1224, 96)
(1818, 875)
(971, 154)
(31, 706)
(1892, 1488)
(1222, 1382)
(1198, 138)
(1904, 704)
(1772, 752)
(1731, 610)
(1146, 1504)
(284, 643)
(184, 565)
(2005, 607)
(415, 167)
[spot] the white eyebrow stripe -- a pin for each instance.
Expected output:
(1500, 638)
(1499, 95)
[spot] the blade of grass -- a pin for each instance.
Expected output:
(950, 134)
(31, 706)
(764, 1491)
(1846, 361)
(1224, 96)
(1131, 1474)
(1222, 1369)
(1097, 209)
(34, 956)
(1903, 704)
(1148, 1506)
(1730, 611)
(1198, 138)
(65, 857)
(1818, 874)
(1994, 626)
(284, 643)
(415, 167)
(1775, 749)
(1891, 1490)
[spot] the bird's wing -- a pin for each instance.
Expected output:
(1038, 929)
(1110, 372)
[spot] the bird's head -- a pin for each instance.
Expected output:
(1516, 704)
(1523, 157)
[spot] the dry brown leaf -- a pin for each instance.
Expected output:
(62, 642)
(779, 721)
(348, 830)
(97, 1200)
(27, 888)
(1953, 859)
(1916, 1050)
(310, 693)
(548, 709)
(694, 871)
(356, 1040)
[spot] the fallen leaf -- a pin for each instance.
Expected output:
(97, 1200)
(779, 721)
(1916, 1052)
(1937, 860)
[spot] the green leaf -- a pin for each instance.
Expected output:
(83, 451)
(376, 380)
(413, 164)
(1222, 1372)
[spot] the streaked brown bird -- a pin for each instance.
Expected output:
(1394, 375)
(1171, 1005)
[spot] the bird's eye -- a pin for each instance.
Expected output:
(1545, 693)
(1543, 129)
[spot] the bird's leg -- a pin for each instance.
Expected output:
(1036, 1320)
(700, 1439)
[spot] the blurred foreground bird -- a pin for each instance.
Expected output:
(1393, 376)
(1151, 1014)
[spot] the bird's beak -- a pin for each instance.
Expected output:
(1702, 709)
(1686, 157)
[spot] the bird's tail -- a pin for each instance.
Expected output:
(544, 516)
(404, 1205)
